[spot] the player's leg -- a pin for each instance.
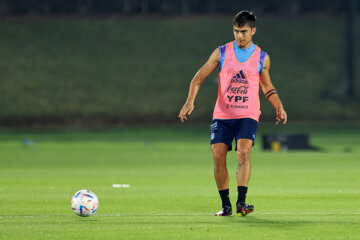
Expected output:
(219, 151)
(243, 148)
(245, 138)
(243, 175)
(221, 140)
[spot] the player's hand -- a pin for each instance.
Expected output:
(281, 115)
(186, 110)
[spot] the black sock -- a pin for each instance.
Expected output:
(224, 194)
(241, 195)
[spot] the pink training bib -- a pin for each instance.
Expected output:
(238, 94)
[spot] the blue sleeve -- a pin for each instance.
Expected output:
(261, 60)
(222, 56)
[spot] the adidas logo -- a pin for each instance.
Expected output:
(239, 78)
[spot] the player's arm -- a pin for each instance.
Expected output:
(270, 91)
(211, 64)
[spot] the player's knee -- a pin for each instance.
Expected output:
(243, 155)
(219, 159)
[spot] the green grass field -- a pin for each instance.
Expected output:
(297, 195)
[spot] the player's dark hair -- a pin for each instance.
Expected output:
(244, 18)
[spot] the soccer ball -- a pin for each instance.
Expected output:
(84, 203)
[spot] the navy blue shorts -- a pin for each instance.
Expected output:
(225, 130)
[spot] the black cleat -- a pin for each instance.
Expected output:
(226, 211)
(244, 209)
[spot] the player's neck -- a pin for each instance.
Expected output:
(246, 46)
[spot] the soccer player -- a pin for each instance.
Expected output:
(243, 66)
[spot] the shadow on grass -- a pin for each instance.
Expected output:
(201, 220)
(249, 221)
(291, 220)
(273, 221)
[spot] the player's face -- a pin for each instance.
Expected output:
(243, 35)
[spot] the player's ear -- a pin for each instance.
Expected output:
(253, 31)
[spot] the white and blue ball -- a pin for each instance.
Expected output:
(84, 203)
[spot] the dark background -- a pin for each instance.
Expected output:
(108, 63)
(278, 7)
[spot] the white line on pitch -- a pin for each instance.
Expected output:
(199, 214)
(175, 214)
